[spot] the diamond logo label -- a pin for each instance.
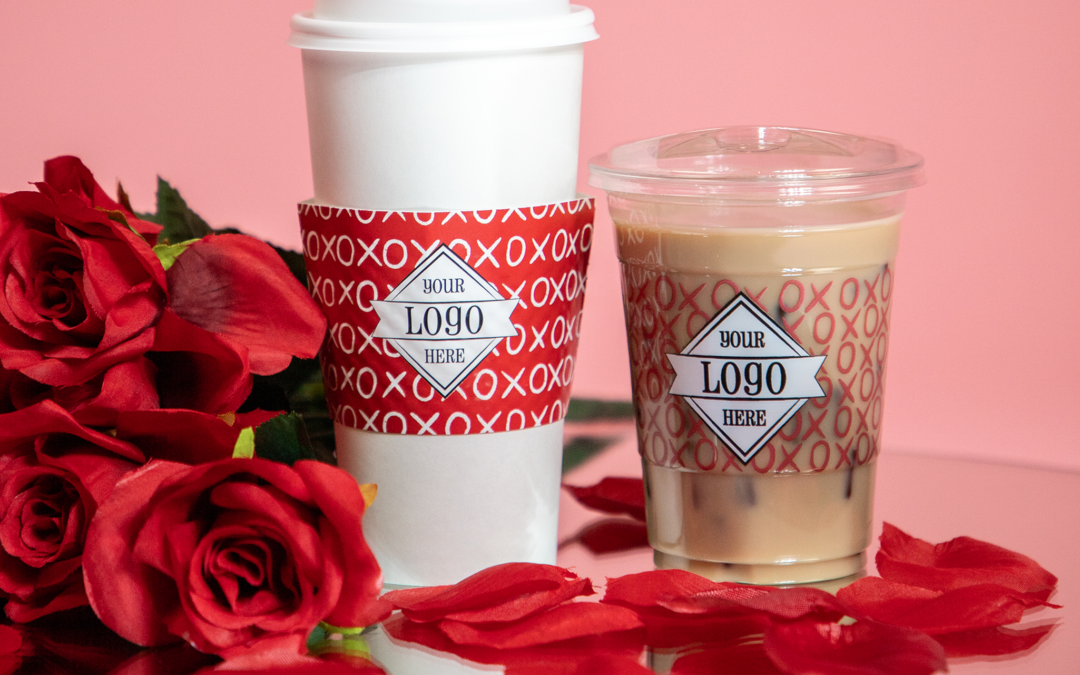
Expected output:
(444, 318)
(745, 376)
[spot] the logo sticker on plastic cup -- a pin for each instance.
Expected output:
(444, 318)
(449, 323)
(745, 376)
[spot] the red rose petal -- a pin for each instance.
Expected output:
(559, 658)
(185, 436)
(10, 640)
(933, 612)
(69, 174)
(780, 603)
(613, 495)
(613, 535)
(609, 664)
(236, 285)
(865, 648)
(337, 494)
(125, 594)
(501, 593)
(643, 591)
(197, 369)
(565, 622)
(48, 418)
(962, 561)
(996, 641)
(288, 662)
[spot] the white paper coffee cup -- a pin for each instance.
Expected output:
(429, 105)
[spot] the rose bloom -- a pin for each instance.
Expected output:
(54, 473)
(232, 556)
(82, 290)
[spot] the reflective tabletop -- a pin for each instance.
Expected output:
(1033, 511)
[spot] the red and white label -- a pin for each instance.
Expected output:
(449, 323)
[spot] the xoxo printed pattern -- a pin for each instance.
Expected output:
(537, 256)
(843, 316)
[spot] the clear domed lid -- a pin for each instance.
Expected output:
(759, 164)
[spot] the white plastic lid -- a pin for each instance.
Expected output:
(433, 27)
(759, 164)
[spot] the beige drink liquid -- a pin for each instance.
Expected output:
(757, 267)
(800, 509)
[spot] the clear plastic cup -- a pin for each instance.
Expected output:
(758, 271)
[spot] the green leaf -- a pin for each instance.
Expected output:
(123, 198)
(168, 253)
(591, 409)
(245, 444)
(178, 221)
(119, 217)
(284, 439)
(581, 449)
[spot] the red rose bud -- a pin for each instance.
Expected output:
(54, 474)
(613, 495)
(501, 593)
(238, 287)
(82, 290)
(958, 562)
(234, 556)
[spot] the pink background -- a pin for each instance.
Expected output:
(984, 359)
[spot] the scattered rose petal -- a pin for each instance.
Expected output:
(676, 592)
(613, 495)
(291, 663)
(778, 603)
(558, 658)
(501, 593)
(962, 561)
(611, 665)
(178, 659)
(865, 648)
(565, 622)
(994, 641)
(981, 606)
(613, 535)
(643, 591)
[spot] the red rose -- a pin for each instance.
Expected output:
(232, 554)
(53, 475)
(81, 290)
